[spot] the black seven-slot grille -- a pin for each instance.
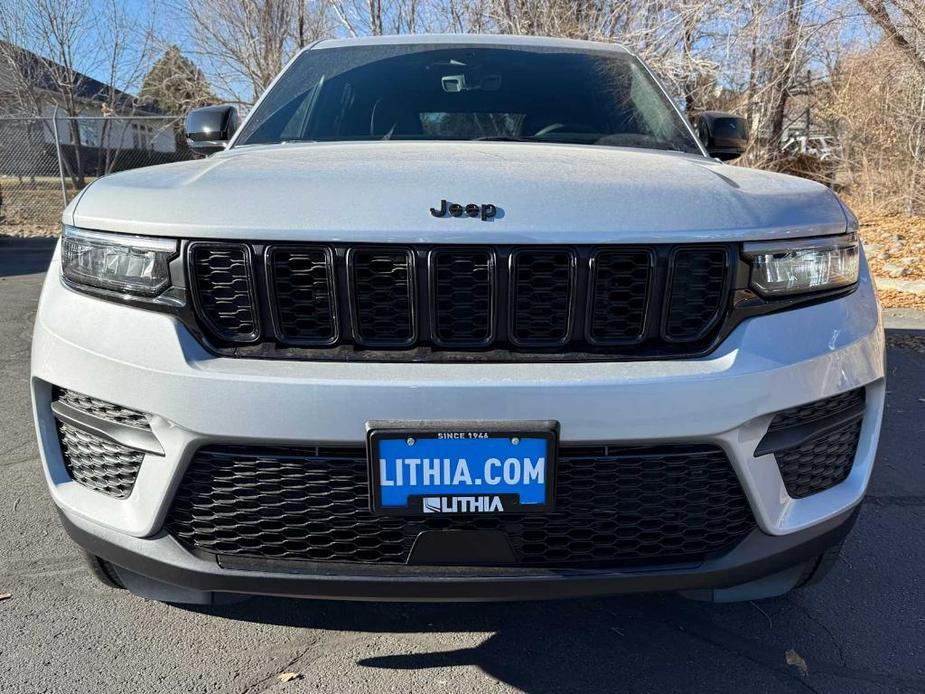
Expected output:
(335, 299)
(614, 507)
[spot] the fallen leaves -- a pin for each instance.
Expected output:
(895, 298)
(794, 659)
(895, 247)
(895, 244)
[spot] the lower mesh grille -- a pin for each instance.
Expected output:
(824, 459)
(615, 507)
(93, 461)
(821, 463)
(100, 408)
(97, 463)
(815, 411)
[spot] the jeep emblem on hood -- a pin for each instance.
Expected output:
(486, 211)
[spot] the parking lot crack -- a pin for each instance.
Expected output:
(822, 625)
(264, 683)
(766, 655)
(895, 500)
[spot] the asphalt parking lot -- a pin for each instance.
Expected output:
(862, 630)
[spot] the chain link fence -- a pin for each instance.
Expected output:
(44, 162)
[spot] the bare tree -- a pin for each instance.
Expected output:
(786, 65)
(41, 45)
(903, 25)
(245, 43)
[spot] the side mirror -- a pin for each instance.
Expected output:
(725, 135)
(209, 129)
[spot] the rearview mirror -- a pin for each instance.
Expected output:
(725, 135)
(209, 129)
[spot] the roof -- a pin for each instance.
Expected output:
(472, 40)
(40, 71)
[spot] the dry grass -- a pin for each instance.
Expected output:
(895, 244)
(31, 205)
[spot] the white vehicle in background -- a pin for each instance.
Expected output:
(458, 318)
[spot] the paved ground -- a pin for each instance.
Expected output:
(863, 630)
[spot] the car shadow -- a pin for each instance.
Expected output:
(626, 643)
(25, 256)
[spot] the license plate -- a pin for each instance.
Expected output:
(462, 469)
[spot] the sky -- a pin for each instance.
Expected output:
(170, 29)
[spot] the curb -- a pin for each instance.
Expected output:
(909, 286)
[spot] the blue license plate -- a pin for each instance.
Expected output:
(462, 471)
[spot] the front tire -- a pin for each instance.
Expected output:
(102, 570)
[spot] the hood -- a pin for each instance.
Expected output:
(383, 192)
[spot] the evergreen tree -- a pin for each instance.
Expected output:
(175, 85)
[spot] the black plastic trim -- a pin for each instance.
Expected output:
(592, 284)
(161, 558)
(721, 311)
(253, 336)
(412, 295)
(512, 298)
(794, 436)
(270, 271)
(123, 434)
(493, 284)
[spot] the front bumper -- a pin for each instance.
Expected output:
(758, 567)
(149, 362)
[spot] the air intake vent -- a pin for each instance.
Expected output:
(302, 284)
(615, 507)
(820, 463)
(94, 461)
(383, 299)
(223, 287)
(696, 292)
(101, 465)
(815, 444)
(463, 297)
(100, 408)
(620, 282)
(543, 289)
(458, 303)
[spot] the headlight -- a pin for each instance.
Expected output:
(118, 262)
(781, 268)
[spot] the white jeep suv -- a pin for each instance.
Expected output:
(458, 318)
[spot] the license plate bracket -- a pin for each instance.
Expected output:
(462, 468)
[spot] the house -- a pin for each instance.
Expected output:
(113, 129)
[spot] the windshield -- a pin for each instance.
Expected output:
(440, 92)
